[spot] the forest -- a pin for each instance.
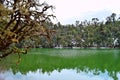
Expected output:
(27, 24)
(83, 34)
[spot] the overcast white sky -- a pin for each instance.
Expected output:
(68, 11)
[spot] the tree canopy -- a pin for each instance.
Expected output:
(83, 34)
(20, 20)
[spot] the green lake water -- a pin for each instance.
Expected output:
(63, 64)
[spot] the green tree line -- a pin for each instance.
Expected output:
(84, 34)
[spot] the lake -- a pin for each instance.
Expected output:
(63, 64)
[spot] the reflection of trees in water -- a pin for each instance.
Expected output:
(114, 75)
(95, 61)
(96, 71)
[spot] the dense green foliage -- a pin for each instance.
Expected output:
(92, 33)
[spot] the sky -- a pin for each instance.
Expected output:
(68, 11)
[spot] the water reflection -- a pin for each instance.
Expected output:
(64, 65)
(64, 74)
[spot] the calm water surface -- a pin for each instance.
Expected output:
(63, 64)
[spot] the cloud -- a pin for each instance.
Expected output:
(101, 15)
(67, 9)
